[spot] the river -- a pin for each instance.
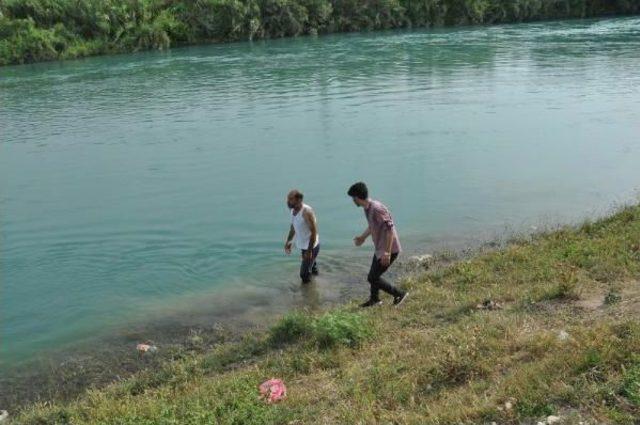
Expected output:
(145, 186)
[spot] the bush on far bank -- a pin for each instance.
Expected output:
(43, 30)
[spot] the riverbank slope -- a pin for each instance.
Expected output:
(44, 30)
(547, 326)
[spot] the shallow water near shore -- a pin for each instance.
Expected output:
(146, 192)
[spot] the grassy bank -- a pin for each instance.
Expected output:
(42, 30)
(561, 336)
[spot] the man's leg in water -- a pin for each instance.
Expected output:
(378, 283)
(307, 266)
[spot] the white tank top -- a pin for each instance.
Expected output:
(303, 232)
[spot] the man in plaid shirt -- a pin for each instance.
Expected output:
(385, 240)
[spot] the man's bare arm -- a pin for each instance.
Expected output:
(287, 244)
(291, 234)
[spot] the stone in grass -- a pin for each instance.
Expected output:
(508, 405)
(563, 335)
(489, 305)
(423, 261)
(551, 420)
(612, 297)
(4, 415)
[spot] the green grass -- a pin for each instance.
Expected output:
(326, 331)
(631, 383)
(558, 345)
(42, 30)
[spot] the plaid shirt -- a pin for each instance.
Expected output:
(380, 224)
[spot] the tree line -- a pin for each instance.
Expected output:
(41, 30)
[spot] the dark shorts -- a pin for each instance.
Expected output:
(307, 267)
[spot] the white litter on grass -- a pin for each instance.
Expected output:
(507, 405)
(563, 336)
(421, 260)
(551, 420)
(146, 348)
(3, 415)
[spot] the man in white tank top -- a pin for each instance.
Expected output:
(305, 231)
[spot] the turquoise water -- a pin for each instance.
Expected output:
(152, 185)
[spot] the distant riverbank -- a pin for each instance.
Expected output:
(45, 30)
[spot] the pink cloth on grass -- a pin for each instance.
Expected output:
(273, 390)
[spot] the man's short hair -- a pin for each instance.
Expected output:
(359, 190)
(297, 194)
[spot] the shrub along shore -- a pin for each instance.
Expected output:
(43, 30)
(546, 326)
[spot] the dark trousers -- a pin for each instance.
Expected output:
(309, 266)
(377, 282)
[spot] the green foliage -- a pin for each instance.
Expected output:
(318, 15)
(329, 330)
(631, 384)
(282, 18)
(40, 30)
(219, 20)
(291, 328)
(341, 328)
(22, 41)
